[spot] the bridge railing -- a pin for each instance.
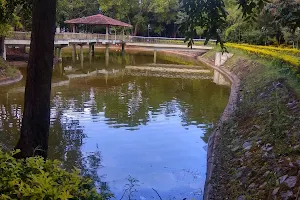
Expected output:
(89, 36)
(16, 35)
(165, 40)
(95, 36)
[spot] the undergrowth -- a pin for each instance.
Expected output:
(34, 178)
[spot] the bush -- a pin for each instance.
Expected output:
(292, 61)
(34, 178)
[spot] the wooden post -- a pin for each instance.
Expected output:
(123, 47)
(93, 50)
(74, 53)
(154, 59)
(106, 35)
(74, 28)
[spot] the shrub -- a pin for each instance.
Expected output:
(281, 49)
(293, 61)
(34, 178)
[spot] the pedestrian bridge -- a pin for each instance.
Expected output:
(73, 39)
(23, 38)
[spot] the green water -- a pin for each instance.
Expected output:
(153, 129)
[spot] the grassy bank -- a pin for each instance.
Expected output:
(7, 71)
(258, 153)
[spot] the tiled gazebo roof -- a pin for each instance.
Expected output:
(97, 20)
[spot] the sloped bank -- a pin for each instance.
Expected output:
(256, 146)
(8, 74)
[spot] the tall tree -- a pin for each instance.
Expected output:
(36, 117)
(69, 9)
(158, 13)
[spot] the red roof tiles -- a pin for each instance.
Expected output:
(97, 20)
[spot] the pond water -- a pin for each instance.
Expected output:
(145, 131)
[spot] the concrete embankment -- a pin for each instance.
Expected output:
(254, 151)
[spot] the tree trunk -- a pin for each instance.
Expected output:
(1, 46)
(36, 117)
(135, 29)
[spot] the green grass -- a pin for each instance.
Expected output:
(6, 70)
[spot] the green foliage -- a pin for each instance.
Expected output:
(158, 13)
(4, 30)
(8, 14)
(211, 16)
(35, 178)
(69, 9)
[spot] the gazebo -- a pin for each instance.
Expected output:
(98, 19)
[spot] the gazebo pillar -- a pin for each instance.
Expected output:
(73, 28)
(106, 35)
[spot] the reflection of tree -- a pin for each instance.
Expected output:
(131, 104)
(65, 141)
(65, 137)
(11, 112)
(124, 102)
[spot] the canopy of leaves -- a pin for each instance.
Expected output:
(9, 10)
(211, 16)
(158, 13)
(69, 9)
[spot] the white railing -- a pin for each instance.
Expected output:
(162, 39)
(16, 35)
(95, 36)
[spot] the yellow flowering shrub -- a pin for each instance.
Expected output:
(289, 59)
(271, 48)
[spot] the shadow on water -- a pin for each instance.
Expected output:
(151, 131)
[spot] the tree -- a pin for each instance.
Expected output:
(36, 117)
(211, 16)
(69, 9)
(140, 13)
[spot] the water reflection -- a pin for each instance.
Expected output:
(153, 129)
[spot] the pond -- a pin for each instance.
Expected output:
(149, 133)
